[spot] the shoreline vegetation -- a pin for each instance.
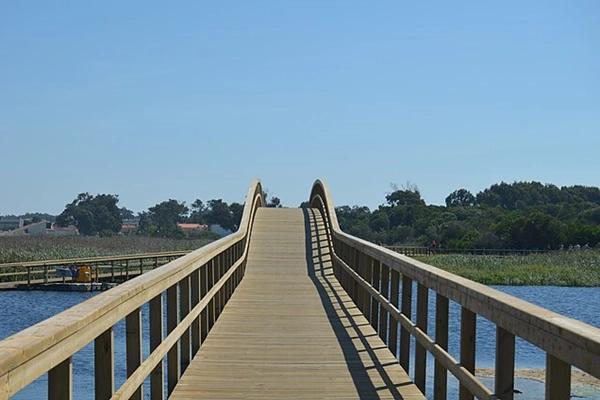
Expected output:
(560, 268)
(39, 248)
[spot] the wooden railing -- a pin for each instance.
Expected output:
(374, 276)
(121, 267)
(196, 287)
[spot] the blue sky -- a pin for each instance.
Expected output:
(183, 100)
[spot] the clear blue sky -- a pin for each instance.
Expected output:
(155, 100)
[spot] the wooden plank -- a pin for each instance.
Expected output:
(104, 365)
(156, 337)
(467, 347)
(505, 364)
(442, 308)
(558, 379)
(133, 336)
(60, 381)
(420, 352)
(289, 330)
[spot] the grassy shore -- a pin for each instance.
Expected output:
(36, 248)
(566, 268)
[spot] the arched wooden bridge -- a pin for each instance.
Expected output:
(292, 307)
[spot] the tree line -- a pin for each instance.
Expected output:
(519, 215)
(101, 215)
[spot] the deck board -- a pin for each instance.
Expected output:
(289, 330)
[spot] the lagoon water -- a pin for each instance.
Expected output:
(24, 309)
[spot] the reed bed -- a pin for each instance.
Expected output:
(564, 268)
(38, 248)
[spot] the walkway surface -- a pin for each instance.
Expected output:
(289, 330)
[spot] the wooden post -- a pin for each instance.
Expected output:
(45, 273)
(376, 283)
(360, 295)
(156, 336)
(104, 364)
(395, 289)
(440, 379)
(385, 292)
(133, 338)
(505, 364)
(141, 266)
(60, 381)
(112, 271)
(173, 353)
(211, 304)
(420, 352)
(184, 304)
(204, 325)
(126, 270)
(467, 347)
(558, 379)
(28, 276)
(407, 311)
(195, 299)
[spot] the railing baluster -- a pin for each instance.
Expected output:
(173, 354)
(442, 314)
(375, 282)
(420, 352)
(195, 299)
(505, 364)
(558, 379)
(156, 336)
(393, 335)
(104, 365)
(407, 311)
(356, 265)
(360, 292)
(368, 277)
(204, 315)
(210, 282)
(385, 292)
(184, 304)
(133, 339)
(467, 347)
(60, 381)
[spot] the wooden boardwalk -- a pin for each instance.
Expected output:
(289, 330)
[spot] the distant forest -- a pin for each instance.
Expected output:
(519, 215)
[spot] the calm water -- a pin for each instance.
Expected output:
(24, 309)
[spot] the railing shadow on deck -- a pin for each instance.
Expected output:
(374, 277)
(196, 288)
(319, 268)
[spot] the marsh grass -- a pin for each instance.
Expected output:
(38, 248)
(567, 268)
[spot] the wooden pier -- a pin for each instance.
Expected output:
(290, 331)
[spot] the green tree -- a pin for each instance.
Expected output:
(164, 217)
(92, 215)
(274, 202)
(236, 210)
(218, 213)
(126, 213)
(460, 198)
(198, 214)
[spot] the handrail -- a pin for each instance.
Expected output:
(371, 274)
(30, 272)
(88, 260)
(197, 286)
